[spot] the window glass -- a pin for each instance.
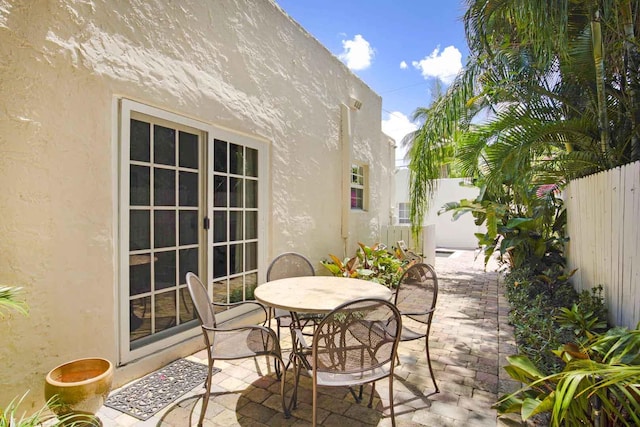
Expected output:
(358, 185)
(188, 150)
(140, 140)
(403, 213)
(164, 145)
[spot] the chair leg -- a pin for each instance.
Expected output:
(282, 381)
(391, 409)
(296, 382)
(430, 367)
(207, 394)
(373, 391)
(315, 402)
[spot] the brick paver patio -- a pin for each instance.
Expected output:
(469, 341)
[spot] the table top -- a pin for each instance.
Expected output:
(317, 294)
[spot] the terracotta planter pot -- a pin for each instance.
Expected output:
(81, 385)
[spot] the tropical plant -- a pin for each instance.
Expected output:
(599, 385)
(550, 92)
(10, 299)
(12, 416)
(586, 316)
(374, 263)
(525, 226)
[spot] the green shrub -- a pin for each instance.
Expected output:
(374, 263)
(543, 314)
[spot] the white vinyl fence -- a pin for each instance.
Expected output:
(603, 211)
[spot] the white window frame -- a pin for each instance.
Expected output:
(209, 133)
(359, 181)
(404, 213)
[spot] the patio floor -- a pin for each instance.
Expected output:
(469, 340)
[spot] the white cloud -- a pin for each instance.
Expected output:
(444, 65)
(357, 54)
(397, 125)
(403, 65)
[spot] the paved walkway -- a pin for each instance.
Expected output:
(469, 341)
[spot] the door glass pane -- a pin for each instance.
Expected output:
(235, 225)
(219, 191)
(219, 226)
(219, 261)
(139, 318)
(235, 259)
(250, 283)
(188, 227)
(251, 198)
(251, 156)
(188, 263)
(164, 229)
(236, 289)
(219, 156)
(188, 189)
(235, 192)
(164, 145)
(164, 187)
(251, 225)
(139, 275)
(140, 141)
(188, 150)
(165, 271)
(236, 163)
(219, 294)
(139, 194)
(186, 308)
(251, 261)
(165, 310)
(139, 230)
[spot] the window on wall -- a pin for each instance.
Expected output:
(403, 213)
(358, 187)
(190, 201)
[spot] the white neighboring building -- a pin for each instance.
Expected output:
(450, 234)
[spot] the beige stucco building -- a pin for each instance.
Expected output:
(141, 139)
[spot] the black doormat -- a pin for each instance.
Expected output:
(150, 394)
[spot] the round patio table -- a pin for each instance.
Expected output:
(317, 294)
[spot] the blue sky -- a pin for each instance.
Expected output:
(398, 48)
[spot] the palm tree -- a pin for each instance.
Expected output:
(560, 81)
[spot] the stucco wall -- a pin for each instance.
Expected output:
(242, 64)
(458, 234)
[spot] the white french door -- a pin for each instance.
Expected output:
(192, 198)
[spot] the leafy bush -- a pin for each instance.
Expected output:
(597, 386)
(547, 312)
(374, 263)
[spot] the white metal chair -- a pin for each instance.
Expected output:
(232, 343)
(353, 345)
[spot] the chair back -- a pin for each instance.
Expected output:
(201, 301)
(357, 337)
(418, 292)
(289, 264)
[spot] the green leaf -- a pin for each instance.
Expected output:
(517, 222)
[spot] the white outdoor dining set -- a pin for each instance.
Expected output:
(345, 332)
